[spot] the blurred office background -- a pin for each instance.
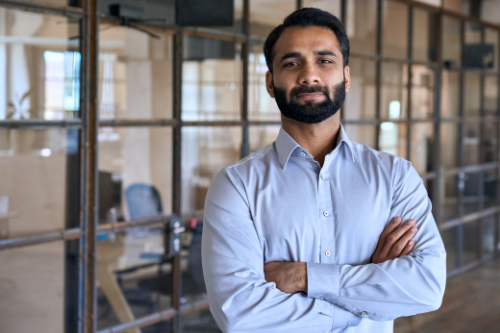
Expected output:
(175, 103)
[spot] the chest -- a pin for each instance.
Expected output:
(300, 215)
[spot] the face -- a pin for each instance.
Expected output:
(309, 80)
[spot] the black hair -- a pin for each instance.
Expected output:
(307, 17)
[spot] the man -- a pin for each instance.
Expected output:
(291, 233)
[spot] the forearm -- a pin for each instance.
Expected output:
(399, 287)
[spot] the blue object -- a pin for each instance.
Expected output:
(143, 200)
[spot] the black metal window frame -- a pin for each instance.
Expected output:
(89, 123)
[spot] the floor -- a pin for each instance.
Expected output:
(471, 304)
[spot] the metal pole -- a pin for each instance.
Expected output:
(408, 83)
(89, 169)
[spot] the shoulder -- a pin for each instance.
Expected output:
(395, 167)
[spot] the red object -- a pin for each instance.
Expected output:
(192, 223)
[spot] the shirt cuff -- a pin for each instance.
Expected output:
(343, 319)
(323, 281)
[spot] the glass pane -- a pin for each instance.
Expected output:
(471, 144)
(490, 188)
(34, 288)
(489, 235)
(422, 92)
(133, 275)
(200, 321)
(135, 162)
(459, 6)
(364, 134)
(361, 25)
(422, 145)
(451, 48)
(261, 105)
(471, 242)
(331, 6)
(211, 80)
(450, 94)
(262, 136)
(450, 243)
(472, 33)
(205, 151)
(395, 30)
(449, 145)
(360, 101)
(392, 138)
(39, 66)
(135, 73)
(490, 94)
(472, 96)
(471, 198)
(423, 49)
(491, 40)
(265, 15)
(393, 91)
(449, 209)
(489, 148)
(36, 165)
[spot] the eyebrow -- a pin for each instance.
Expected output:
(298, 54)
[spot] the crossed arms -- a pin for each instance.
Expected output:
(242, 300)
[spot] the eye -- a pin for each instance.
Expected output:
(290, 64)
(326, 61)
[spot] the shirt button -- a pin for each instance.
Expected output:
(303, 154)
(325, 213)
(363, 314)
(327, 253)
(322, 176)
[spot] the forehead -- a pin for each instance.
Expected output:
(306, 40)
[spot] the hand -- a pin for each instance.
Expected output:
(290, 277)
(395, 242)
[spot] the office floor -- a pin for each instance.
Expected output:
(471, 304)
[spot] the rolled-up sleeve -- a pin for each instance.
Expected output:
(404, 286)
(233, 265)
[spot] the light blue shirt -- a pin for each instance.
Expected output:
(279, 204)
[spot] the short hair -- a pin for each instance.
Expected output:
(307, 17)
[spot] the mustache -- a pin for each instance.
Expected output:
(309, 90)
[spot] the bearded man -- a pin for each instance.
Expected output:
(316, 233)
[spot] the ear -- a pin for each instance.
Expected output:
(347, 79)
(269, 84)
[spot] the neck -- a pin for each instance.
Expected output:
(318, 139)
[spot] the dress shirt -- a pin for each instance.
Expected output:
(279, 204)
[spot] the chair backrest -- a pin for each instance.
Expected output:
(143, 200)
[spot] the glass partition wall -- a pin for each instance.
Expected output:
(107, 150)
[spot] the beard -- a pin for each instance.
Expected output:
(310, 112)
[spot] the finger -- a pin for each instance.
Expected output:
(393, 225)
(402, 242)
(409, 246)
(394, 237)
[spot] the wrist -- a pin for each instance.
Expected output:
(302, 286)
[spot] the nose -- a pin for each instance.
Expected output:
(308, 75)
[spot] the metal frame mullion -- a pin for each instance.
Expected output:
(245, 143)
(409, 82)
(176, 173)
(436, 164)
(89, 204)
(378, 74)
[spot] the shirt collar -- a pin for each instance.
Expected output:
(285, 145)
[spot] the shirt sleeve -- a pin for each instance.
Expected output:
(233, 266)
(403, 286)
